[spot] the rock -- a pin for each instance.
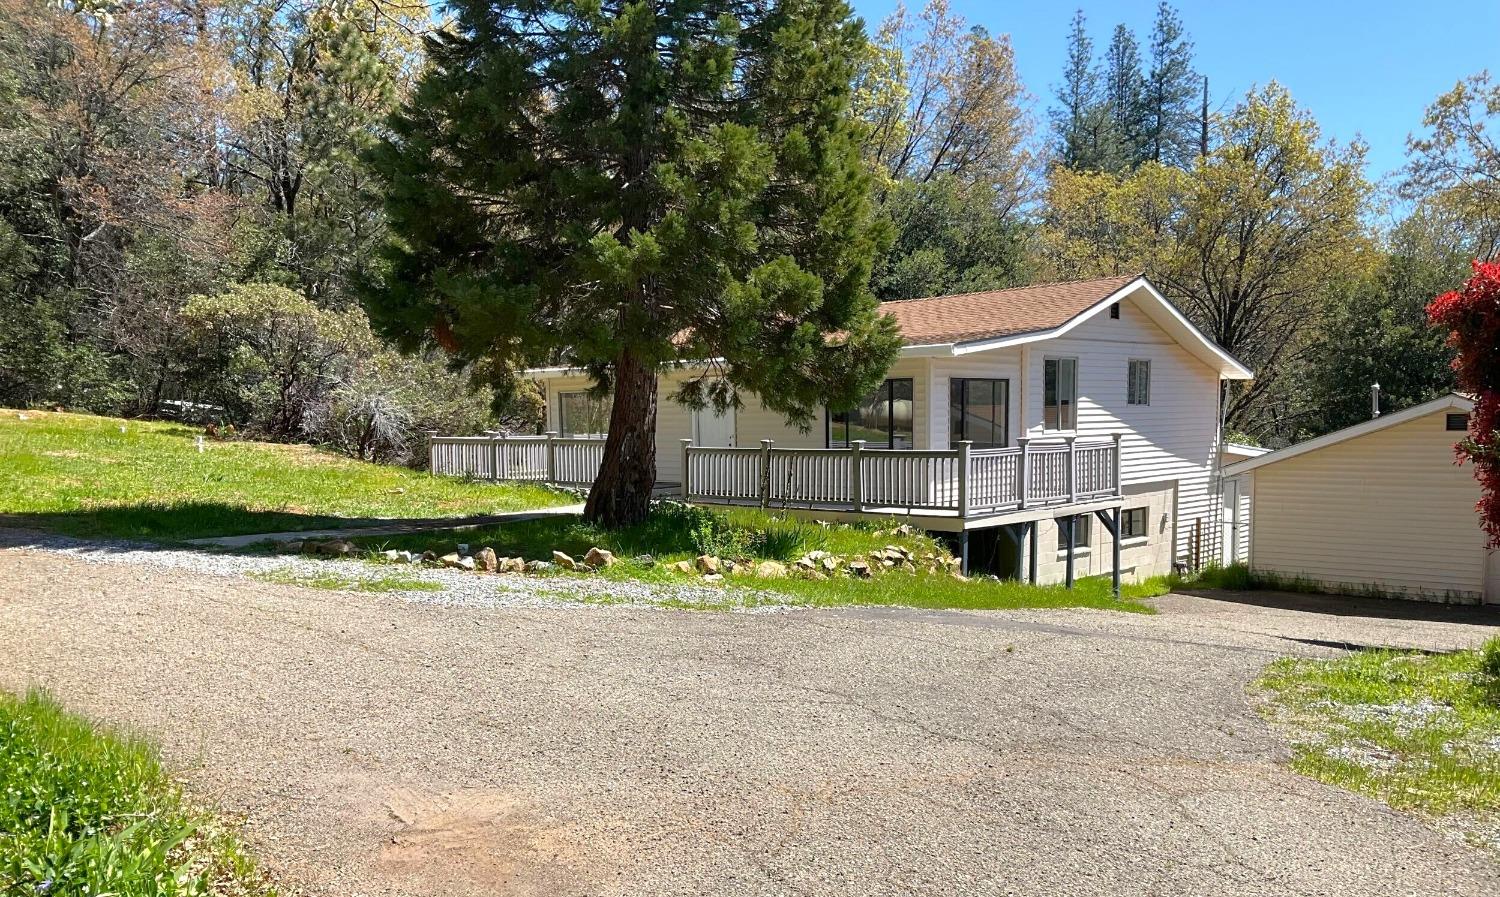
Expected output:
(334, 548)
(682, 567)
(428, 557)
(292, 547)
(598, 557)
(564, 560)
(487, 560)
(465, 563)
(707, 564)
(390, 554)
(806, 564)
(645, 560)
(406, 557)
(860, 569)
(538, 566)
(908, 567)
(512, 565)
(770, 570)
(817, 575)
(713, 577)
(816, 555)
(450, 559)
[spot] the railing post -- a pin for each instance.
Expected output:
(686, 444)
(1072, 468)
(764, 486)
(964, 445)
(493, 435)
(432, 452)
(502, 450)
(1119, 490)
(856, 475)
(1022, 474)
(551, 456)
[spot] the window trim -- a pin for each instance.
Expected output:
(1073, 405)
(606, 403)
(890, 417)
(1086, 529)
(1004, 422)
(1130, 366)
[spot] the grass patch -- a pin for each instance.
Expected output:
(81, 475)
(677, 532)
(334, 582)
(1420, 732)
(84, 810)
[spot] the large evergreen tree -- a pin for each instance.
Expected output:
(628, 186)
(1171, 121)
(1081, 118)
(1125, 96)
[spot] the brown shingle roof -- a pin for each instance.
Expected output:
(973, 316)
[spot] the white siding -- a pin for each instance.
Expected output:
(1175, 438)
(1388, 511)
(673, 421)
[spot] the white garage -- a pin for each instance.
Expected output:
(1377, 508)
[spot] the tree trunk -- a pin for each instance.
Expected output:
(622, 491)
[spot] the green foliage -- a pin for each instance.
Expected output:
(709, 202)
(1417, 731)
(1489, 663)
(89, 811)
(949, 239)
(82, 476)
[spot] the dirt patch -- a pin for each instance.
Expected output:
(481, 842)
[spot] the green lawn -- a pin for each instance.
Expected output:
(87, 811)
(80, 475)
(1421, 732)
(676, 532)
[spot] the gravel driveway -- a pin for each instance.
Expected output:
(377, 746)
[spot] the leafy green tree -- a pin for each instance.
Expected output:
(1251, 242)
(948, 240)
(629, 186)
(1456, 164)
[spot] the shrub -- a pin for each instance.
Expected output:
(786, 539)
(1489, 661)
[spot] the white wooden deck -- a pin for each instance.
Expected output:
(953, 489)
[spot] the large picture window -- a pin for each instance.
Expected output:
(978, 411)
(582, 414)
(882, 420)
(1060, 394)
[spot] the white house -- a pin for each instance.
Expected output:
(1376, 508)
(1007, 415)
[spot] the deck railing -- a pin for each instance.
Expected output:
(963, 481)
(565, 461)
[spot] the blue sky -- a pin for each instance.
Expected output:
(1367, 69)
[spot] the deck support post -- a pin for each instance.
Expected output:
(1118, 490)
(686, 444)
(551, 456)
(1072, 470)
(1031, 529)
(1111, 521)
(765, 473)
(963, 552)
(1069, 534)
(1021, 473)
(856, 475)
(964, 447)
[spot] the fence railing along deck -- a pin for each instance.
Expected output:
(962, 481)
(563, 461)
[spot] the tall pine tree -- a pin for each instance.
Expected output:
(1125, 96)
(1081, 118)
(1171, 118)
(629, 186)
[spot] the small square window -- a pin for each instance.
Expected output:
(1080, 532)
(1133, 523)
(1114, 311)
(1458, 423)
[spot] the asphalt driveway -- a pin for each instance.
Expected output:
(379, 747)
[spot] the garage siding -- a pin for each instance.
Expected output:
(1388, 511)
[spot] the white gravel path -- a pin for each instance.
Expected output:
(459, 588)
